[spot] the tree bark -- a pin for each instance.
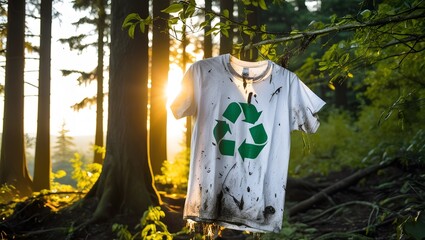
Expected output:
(101, 25)
(250, 54)
(160, 67)
(207, 39)
(42, 165)
(226, 43)
(13, 168)
(125, 184)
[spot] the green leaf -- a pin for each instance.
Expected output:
(225, 32)
(142, 27)
(365, 14)
(148, 20)
(226, 13)
(323, 67)
(204, 24)
(262, 4)
(173, 20)
(415, 227)
(344, 58)
(131, 30)
(173, 8)
(190, 10)
(128, 21)
(331, 86)
(246, 2)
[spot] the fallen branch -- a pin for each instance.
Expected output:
(342, 235)
(350, 180)
(43, 231)
(369, 204)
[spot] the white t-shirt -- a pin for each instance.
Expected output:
(241, 139)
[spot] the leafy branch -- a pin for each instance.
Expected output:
(338, 28)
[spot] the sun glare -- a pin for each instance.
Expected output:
(175, 77)
(175, 127)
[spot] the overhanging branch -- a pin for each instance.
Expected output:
(340, 28)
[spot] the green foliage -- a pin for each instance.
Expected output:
(344, 141)
(413, 227)
(85, 174)
(256, 3)
(150, 228)
(7, 194)
(384, 72)
(57, 186)
(101, 150)
(150, 223)
(134, 19)
(175, 173)
(328, 149)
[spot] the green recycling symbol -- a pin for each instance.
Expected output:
(258, 133)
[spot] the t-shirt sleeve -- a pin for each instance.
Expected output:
(184, 104)
(304, 105)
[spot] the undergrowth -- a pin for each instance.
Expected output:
(150, 227)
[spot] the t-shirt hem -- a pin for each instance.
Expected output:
(235, 224)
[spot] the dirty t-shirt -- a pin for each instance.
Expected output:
(243, 113)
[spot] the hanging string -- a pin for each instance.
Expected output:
(244, 81)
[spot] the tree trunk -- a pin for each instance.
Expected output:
(207, 39)
(98, 140)
(42, 166)
(226, 43)
(251, 54)
(125, 184)
(188, 133)
(160, 67)
(13, 168)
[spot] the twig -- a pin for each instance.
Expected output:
(342, 235)
(37, 232)
(342, 205)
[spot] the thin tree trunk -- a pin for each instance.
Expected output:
(160, 68)
(125, 184)
(13, 169)
(98, 141)
(188, 133)
(252, 53)
(207, 39)
(42, 166)
(226, 43)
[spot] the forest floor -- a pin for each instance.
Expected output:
(372, 208)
